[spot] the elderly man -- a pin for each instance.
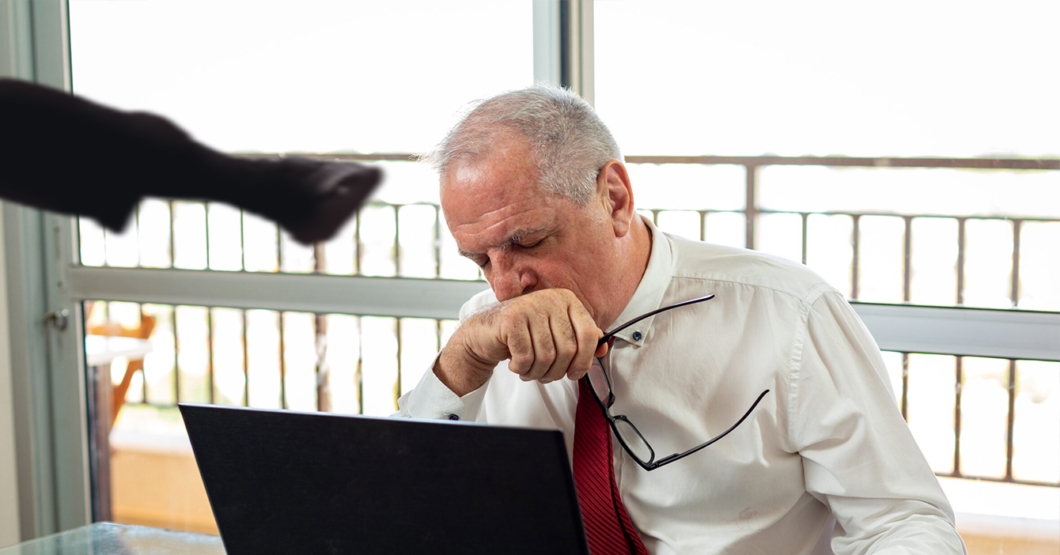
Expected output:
(535, 192)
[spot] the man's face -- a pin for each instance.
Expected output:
(525, 239)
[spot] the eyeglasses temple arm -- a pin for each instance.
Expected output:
(665, 460)
(611, 333)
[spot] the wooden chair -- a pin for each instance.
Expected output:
(113, 329)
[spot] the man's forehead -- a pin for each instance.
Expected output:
(505, 240)
(503, 151)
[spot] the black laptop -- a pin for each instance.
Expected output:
(289, 482)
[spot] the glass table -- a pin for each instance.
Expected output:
(106, 538)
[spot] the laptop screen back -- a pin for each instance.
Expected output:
(287, 482)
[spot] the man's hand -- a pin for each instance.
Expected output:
(546, 335)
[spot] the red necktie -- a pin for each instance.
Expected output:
(607, 525)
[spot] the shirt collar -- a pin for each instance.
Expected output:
(650, 291)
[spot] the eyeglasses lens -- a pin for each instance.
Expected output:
(601, 386)
(633, 440)
(629, 435)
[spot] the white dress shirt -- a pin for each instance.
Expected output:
(827, 441)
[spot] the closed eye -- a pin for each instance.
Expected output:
(532, 245)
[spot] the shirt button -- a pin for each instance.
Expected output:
(453, 417)
(637, 336)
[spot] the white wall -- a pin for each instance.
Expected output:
(9, 524)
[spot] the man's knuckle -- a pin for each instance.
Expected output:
(523, 359)
(568, 350)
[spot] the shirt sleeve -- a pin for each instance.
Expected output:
(859, 457)
(431, 399)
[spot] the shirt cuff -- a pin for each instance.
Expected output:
(432, 400)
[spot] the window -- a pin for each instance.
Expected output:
(717, 110)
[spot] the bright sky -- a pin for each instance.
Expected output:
(901, 78)
(302, 76)
(672, 77)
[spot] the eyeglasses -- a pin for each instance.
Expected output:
(627, 433)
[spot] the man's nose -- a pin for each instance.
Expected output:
(510, 280)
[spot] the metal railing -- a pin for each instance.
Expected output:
(752, 213)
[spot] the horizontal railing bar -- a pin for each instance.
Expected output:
(844, 161)
(834, 161)
(994, 333)
(767, 211)
(993, 217)
(315, 293)
(1010, 334)
(998, 480)
(339, 156)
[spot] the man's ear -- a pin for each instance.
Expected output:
(617, 193)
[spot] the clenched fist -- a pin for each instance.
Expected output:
(545, 335)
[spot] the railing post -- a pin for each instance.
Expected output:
(1010, 425)
(1017, 225)
(751, 203)
(957, 391)
(907, 259)
(960, 259)
(855, 260)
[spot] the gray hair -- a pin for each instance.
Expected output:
(569, 141)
